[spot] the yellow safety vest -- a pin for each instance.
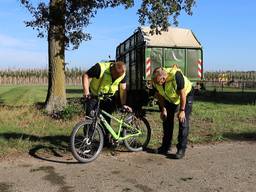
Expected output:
(170, 91)
(104, 83)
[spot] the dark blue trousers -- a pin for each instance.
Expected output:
(107, 105)
(168, 124)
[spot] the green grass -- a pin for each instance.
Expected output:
(17, 95)
(212, 122)
(28, 95)
(25, 129)
(216, 121)
(22, 127)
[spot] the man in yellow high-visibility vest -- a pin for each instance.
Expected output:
(105, 77)
(173, 90)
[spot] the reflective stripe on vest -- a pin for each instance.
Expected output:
(170, 91)
(104, 83)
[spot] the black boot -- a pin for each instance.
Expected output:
(180, 153)
(163, 150)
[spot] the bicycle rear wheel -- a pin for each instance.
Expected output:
(86, 141)
(139, 142)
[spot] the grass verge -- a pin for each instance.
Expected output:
(25, 129)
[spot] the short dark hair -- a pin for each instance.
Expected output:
(119, 67)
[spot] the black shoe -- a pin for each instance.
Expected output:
(163, 151)
(180, 154)
(107, 141)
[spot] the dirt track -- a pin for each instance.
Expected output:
(207, 168)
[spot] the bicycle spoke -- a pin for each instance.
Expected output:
(86, 142)
(78, 142)
(136, 141)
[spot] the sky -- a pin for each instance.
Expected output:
(226, 30)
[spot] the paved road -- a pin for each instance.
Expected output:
(206, 168)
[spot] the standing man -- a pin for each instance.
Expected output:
(174, 93)
(105, 77)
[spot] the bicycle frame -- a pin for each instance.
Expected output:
(117, 135)
(87, 137)
(103, 122)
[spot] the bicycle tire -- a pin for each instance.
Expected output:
(137, 143)
(83, 149)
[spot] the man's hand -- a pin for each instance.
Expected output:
(181, 116)
(87, 97)
(163, 114)
(127, 108)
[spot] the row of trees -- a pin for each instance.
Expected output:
(73, 72)
(37, 76)
(77, 72)
(230, 76)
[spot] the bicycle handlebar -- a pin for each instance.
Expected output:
(104, 95)
(100, 96)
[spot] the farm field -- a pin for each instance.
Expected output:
(24, 128)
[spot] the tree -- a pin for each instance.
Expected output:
(63, 23)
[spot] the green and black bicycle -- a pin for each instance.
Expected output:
(87, 137)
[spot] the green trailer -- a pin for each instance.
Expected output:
(142, 52)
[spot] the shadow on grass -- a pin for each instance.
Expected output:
(227, 97)
(251, 136)
(39, 105)
(51, 147)
(1, 101)
(78, 91)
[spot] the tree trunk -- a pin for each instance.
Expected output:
(56, 95)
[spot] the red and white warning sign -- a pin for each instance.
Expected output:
(148, 67)
(199, 68)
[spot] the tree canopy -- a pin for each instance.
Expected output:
(64, 24)
(78, 13)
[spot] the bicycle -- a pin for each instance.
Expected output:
(87, 137)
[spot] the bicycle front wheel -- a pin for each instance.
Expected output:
(138, 142)
(86, 141)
